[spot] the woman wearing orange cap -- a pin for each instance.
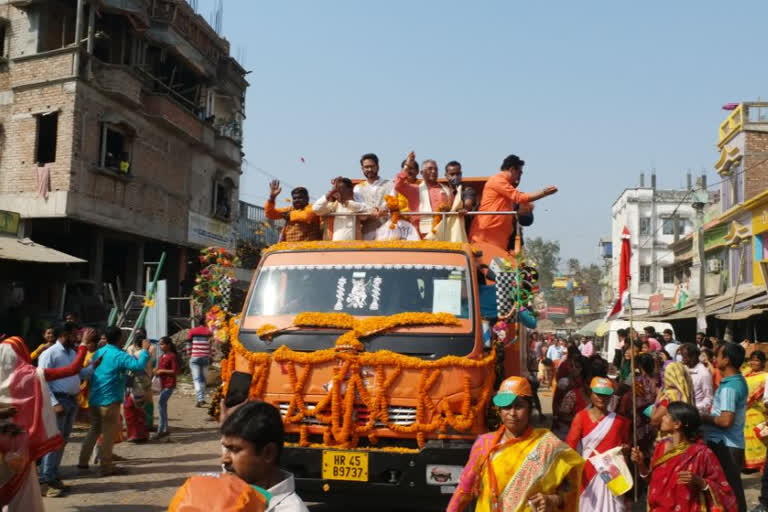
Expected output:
(594, 431)
(519, 467)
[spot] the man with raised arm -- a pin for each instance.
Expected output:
(501, 195)
(428, 196)
(301, 223)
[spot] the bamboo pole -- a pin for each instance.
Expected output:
(634, 393)
(150, 296)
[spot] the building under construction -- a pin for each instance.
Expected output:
(120, 139)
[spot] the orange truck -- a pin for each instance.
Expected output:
(374, 354)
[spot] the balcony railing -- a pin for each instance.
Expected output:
(748, 113)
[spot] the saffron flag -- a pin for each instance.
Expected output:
(624, 277)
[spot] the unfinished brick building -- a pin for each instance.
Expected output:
(120, 132)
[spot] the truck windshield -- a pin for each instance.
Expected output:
(361, 289)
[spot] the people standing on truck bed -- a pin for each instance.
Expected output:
(340, 199)
(518, 465)
(501, 195)
(371, 193)
(451, 228)
(301, 223)
(427, 196)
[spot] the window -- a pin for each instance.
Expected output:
(741, 264)
(3, 28)
(668, 226)
(45, 144)
(732, 192)
(645, 273)
(668, 275)
(115, 149)
(645, 225)
(360, 289)
(222, 199)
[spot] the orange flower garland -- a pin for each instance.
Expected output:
(322, 245)
(369, 326)
(266, 331)
(336, 410)
(444, 207)
(396, 204)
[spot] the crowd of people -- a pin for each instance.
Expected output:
(78, 373)
(690, 427)
(373, 207)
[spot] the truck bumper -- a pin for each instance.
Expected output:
(400, 478)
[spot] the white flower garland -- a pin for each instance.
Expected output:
(375, 293)
(357, 296)
(340, 285)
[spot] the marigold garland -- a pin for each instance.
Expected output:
(444, 207)
(322, 245)
(336, 410)
(396, 204)
(369, 326)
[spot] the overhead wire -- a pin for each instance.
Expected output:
(741, 171)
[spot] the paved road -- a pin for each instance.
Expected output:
(156, 470)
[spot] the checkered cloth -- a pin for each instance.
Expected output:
(505, 285)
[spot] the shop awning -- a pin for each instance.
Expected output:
(720, 304)
(24, 249)
(741, 315)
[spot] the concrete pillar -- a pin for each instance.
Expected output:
(96, 258)
(139, 267)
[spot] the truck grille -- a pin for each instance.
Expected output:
(398, 415)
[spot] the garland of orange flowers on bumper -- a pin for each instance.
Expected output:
(336, 409)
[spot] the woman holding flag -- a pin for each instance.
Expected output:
(594, 431)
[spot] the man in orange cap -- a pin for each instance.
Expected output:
(594, 431)
(518, 465)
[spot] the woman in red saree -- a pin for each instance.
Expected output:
(685, 475)
(575, 398)
(597, 430)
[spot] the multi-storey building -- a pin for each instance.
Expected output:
(120, 133)
(735, 235)
(655, 218)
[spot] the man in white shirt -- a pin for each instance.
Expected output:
(371, 193)
(587, 348)
(252, 440)
(402, 230)
(340, 199)
(702, 379)
(670, 345)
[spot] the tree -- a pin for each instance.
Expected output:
(545, 256)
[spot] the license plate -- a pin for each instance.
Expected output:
(345, 466)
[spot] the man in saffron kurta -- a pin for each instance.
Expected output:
(518, 468)
(302, 224)
(500, 194)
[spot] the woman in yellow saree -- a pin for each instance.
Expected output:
(519, 468)
(754, 452)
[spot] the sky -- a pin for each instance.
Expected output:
(589, 94)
